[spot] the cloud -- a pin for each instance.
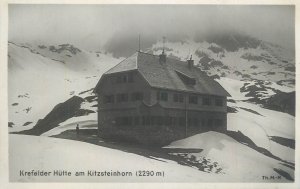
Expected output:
(117, 26)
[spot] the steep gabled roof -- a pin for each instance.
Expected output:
(129, 63)
(169, 75)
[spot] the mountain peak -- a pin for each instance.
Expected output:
(231, 41)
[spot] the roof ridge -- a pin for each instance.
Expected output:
(168, 57)
(120, 63)
(146, 53)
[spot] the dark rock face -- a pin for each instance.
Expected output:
(281, 101)
(231, 109)
(42, 47)
(289, 81)
(271, 73)
(60, 113)
(284, 102)
(27, 123)
(249, 57)
(200, 53)
(216, 63)
(252, 90)
(238, 73)
(290, 68)
(206, 63)
(10, 124)
(216, 49)
(284, 141)
(253, 67)
(64, 47)
(205, 60)
(215, 76)
(246, 76)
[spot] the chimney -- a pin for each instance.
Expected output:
(162, 57)
(190, 62)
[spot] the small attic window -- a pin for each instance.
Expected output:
(185, 78)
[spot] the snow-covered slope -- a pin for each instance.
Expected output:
(78, 156)
(233, 57)
(258, 123)
(236, 166)
(39, 79)
(237, 160)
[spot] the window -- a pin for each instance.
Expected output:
(168, 120)
(160, 120)
(122, 97)
(219, 102)
(195, 122)
(144, 120)
(119, 79)
(124, 121)
(163, 96)
(136, 120)
(136, 96)
(218, 122)
(181, 121)
(193, 99)
(130, 77)
(125, 78)
(152, 120)
(178, 97)
(109, 99)
(203, 122)
(206, 101)
(148, 120)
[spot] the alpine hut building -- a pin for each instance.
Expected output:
(155, 99)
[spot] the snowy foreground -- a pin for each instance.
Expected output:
(43, 153)
(37, 153)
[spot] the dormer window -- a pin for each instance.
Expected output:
(186, 79)
(163, 96)
(178, 97)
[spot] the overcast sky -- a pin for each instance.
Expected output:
(97, 26)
